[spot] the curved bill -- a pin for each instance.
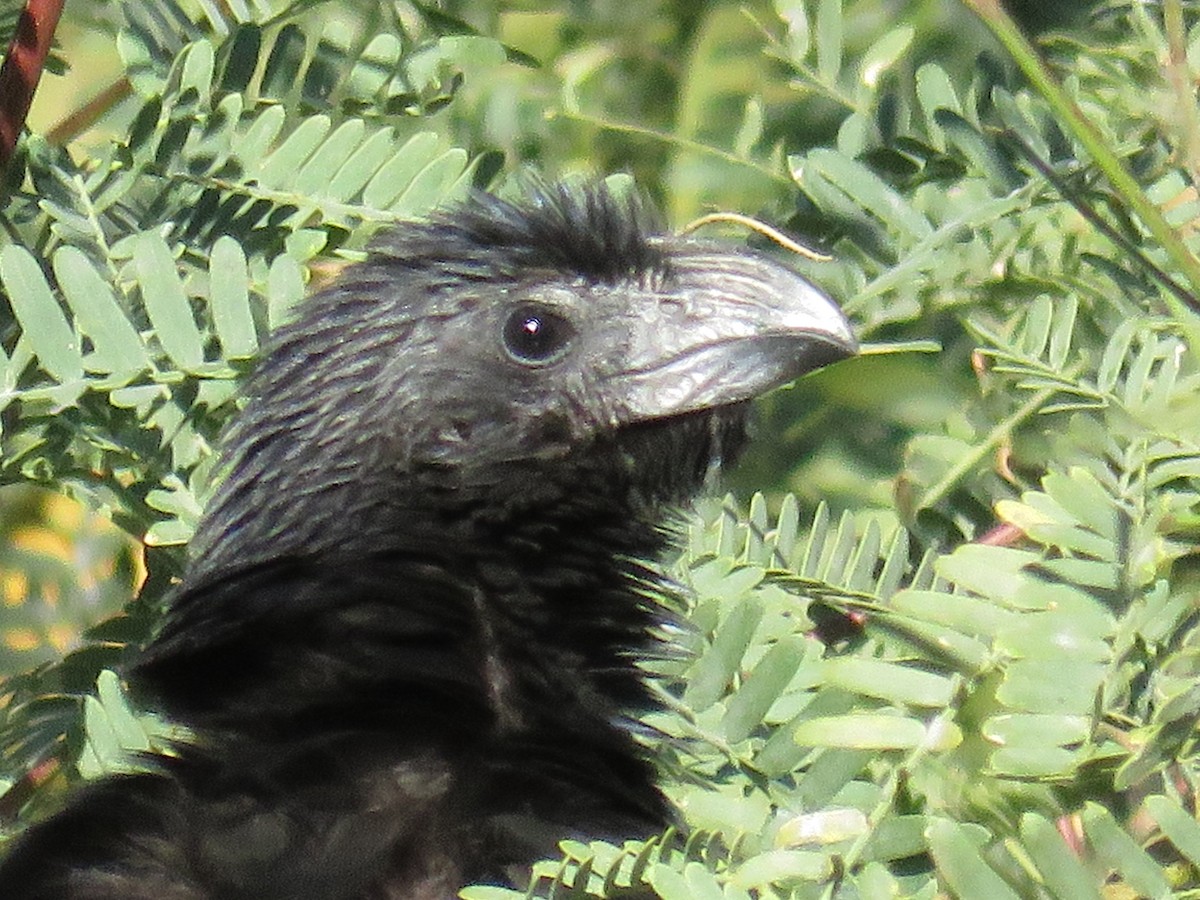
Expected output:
(728, 327)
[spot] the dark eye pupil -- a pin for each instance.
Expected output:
(534, 334)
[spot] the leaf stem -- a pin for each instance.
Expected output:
(989, 443)
(1185, 118)
(83, 118)
(674, 140)
(22, 69)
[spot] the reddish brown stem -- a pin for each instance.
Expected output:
(80, 120)
(22, 68)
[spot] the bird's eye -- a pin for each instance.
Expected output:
(536, 335)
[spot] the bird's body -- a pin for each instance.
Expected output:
(406, 645)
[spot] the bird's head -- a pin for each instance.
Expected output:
(499, 346)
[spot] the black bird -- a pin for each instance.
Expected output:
(408, 637)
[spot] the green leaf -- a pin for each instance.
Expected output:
(1119, 851)
(1065, 312)
(42, 321)
(429, 186)
(363, 163)
(829, 39)
(727, 809)
(119, 715)
(1034, 728)
(177, 500)
(116, 345)
(961, 864)
(113, 732)
(1081, 495)
(1056, 686)
(871, 193)
(374, 68)
(196, 69)
(1036, 328)
(1040, 518)
(814, 548)
(861, 570)
(994, 572)
(843, 544)
(962, 612)
(863, 731)
(1030, 762)
(898, 837)
(795, 17)
(1177, 824)
(1052, 635)
(1015, 117)
(261, 135)
(1002, 178)
(1058, 865)
(285, 289)
(484, 892)
(394, 176)
(166, 304)
(894, 564)
(875, 882)
(694, 883)
(748, 706)
(831, 773)
(935, 91)
(782, 865)
(827, 826)
(1115, 353)
(229, 299)
(1137, 376)
(319, 171)
(943, 645)
(716, 667)
(280, 167)
(902, 685)
(884, 54)
(756, 530)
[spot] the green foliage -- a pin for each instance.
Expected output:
(951, 646)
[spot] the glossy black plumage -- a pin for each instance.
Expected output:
(406, 642)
